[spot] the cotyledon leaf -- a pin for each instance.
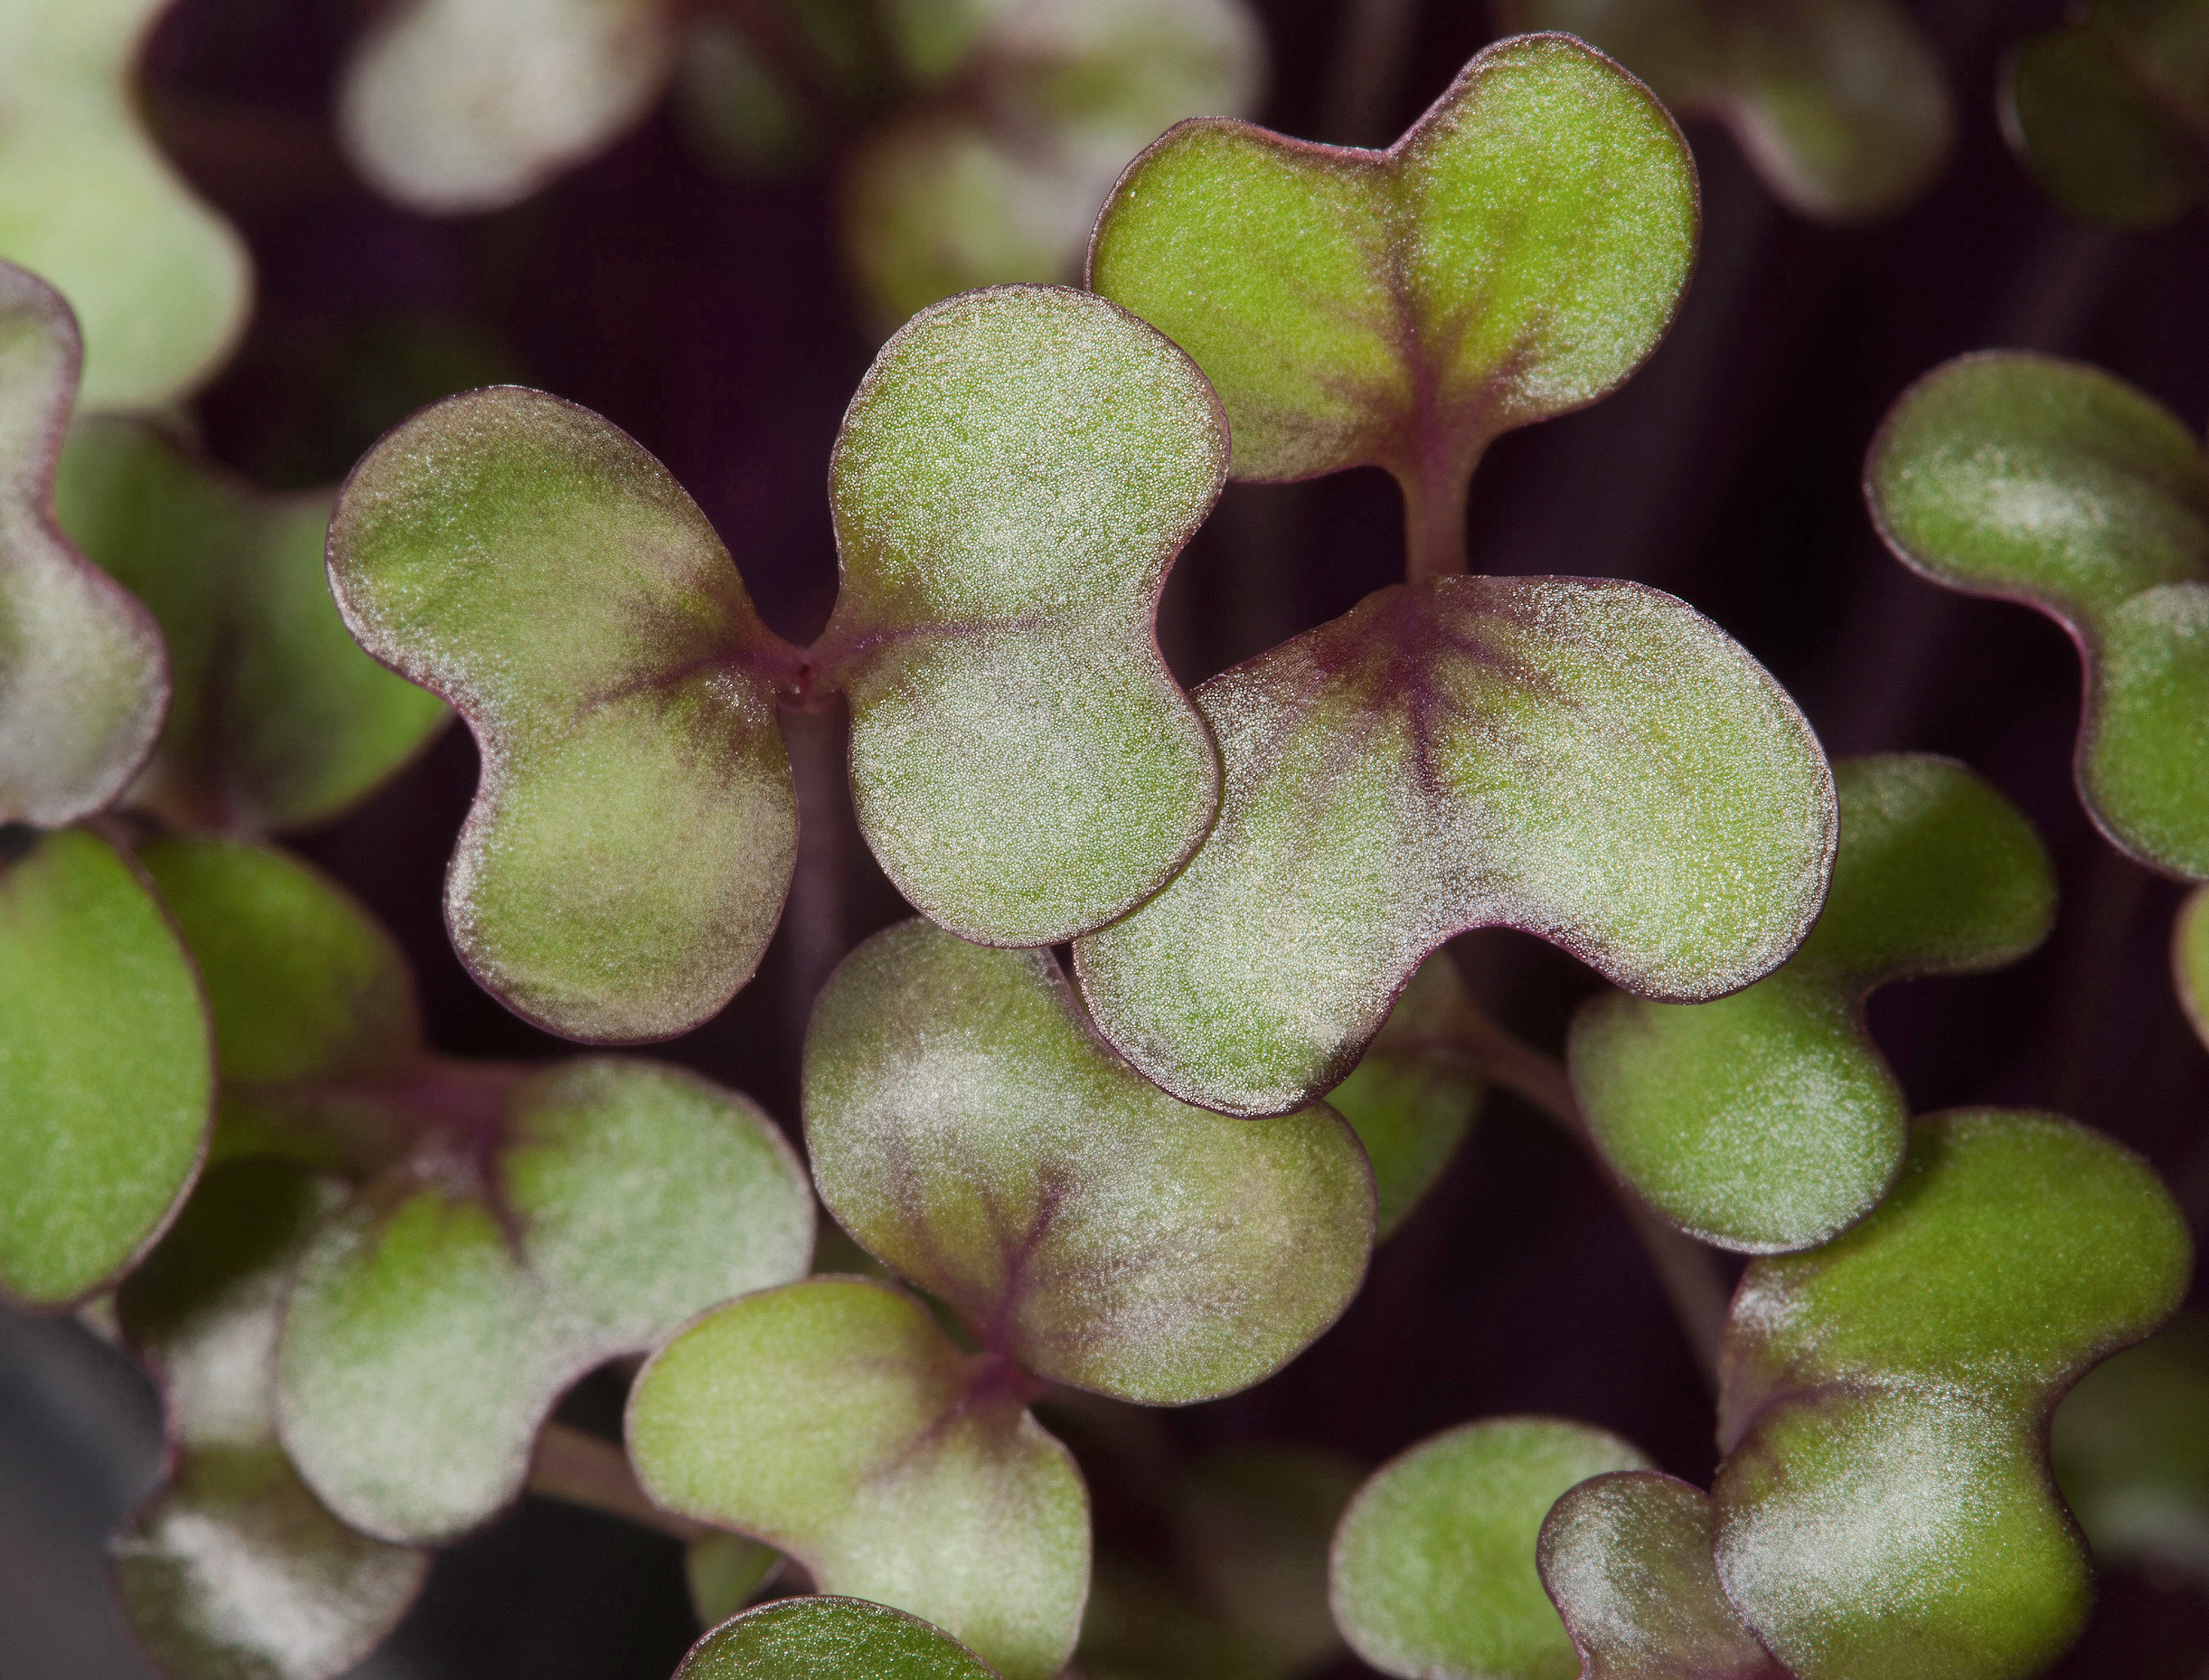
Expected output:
(830, 1639)
(1433, 1573)
(83, 675)
(1516, 255)
(231, 1570)
(968, 1130)
(108, 1069)
(1767, 1120)
(2189, 959)
(2131, 1449)
(2046, 482)
(833, 1420)
(1593, 761)
(579, 1213)
(1840, 104)
(162, 285)
(277, 719)
(1885, 1507)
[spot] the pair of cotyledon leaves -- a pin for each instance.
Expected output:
(1252, 871)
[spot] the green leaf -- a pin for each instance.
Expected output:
(829, 1639)
(1516, 255)
(632, 837)
(723, 1572)
(231, 1570)
(1433, 1575)
(965, 1127)
(278, 720)
(2189, 959)
(581, 1213)
(1768, 1121)
(832, 1420)
(162, 285)
(2046, 482)
(1886, 1508)
(83, 676)
(1589, 760)
(109, 1073)
(1840, 104)
(1015, 475)
(1627, 1559)
(2131, 1448)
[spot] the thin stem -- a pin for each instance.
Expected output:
(580, 1469)
(1434, 519)
(1377, 39)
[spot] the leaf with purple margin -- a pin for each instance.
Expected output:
(2049, 482)
(230, 1569)
(546, 1223)
(1593, 761)
(833, 1420)
(970, 1131)
(829, 1639)
(83, 675)
(2189, 959)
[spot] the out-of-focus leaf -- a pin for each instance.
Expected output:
(1254, 1523)
(1627, 1560)
(2131, 1448)
(1516, 255)
(735, 110)
(832, 1420)
(83, 676)
(277, 719)
(1591, 761)
(1433, 1574)
(829, 1639)
(161, 283)
(2046, 482)
(1015, 475)
(1768, 1121)
(110, 1072)
(632, 837)
(1140, 1625)
(968, 1130)
(1840, 104)
(543, 1228)
(1886, 1508)
(231, 1570)
(2189, 959)
(723, 1571)
(455, 106)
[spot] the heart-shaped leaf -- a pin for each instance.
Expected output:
(829, 1639)
(278, 720)
(83, 677)
(833, 1420)
(1886, 1508)
(1433, 1574)
(1515, 255)
(544, 1224)
(1627, 1560)
(1591, 761)
(109, 1073)
(966, 1129)
(161, 283)
(2046, 482)
(1840, 104)
(2131, 1448)
(2189, 959)
(1768, 1121)
(231, 1570)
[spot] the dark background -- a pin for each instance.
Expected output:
(709, 319)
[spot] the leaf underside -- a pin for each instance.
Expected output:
(829, 1639)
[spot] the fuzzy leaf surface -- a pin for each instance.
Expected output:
(110, 1072)
(2046, 482)
(2189, 959)
(533, 565)
(829, 1639)
(833, 1420)
(581, 1213)
(1768, 1121)
(1591, 761)
(969, 1131)
(2131, 1449)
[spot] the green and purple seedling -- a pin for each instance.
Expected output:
(829, 1639)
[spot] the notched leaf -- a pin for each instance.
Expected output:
(829, 1639)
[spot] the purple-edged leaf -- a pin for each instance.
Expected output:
(1514, 255)
(1627, 1560)
(829, 1639)
(232, 1571)
(2131, 1448)
(1593, 761)
(2189, 959)
(1015, 475)
(545, 1228)
(632, 838)
(83, 677)
(109, 1080)
(969, 1130)
(832, 1420)
(2032, 479)
(1768, 1121)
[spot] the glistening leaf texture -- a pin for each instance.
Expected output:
(829, 1639)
